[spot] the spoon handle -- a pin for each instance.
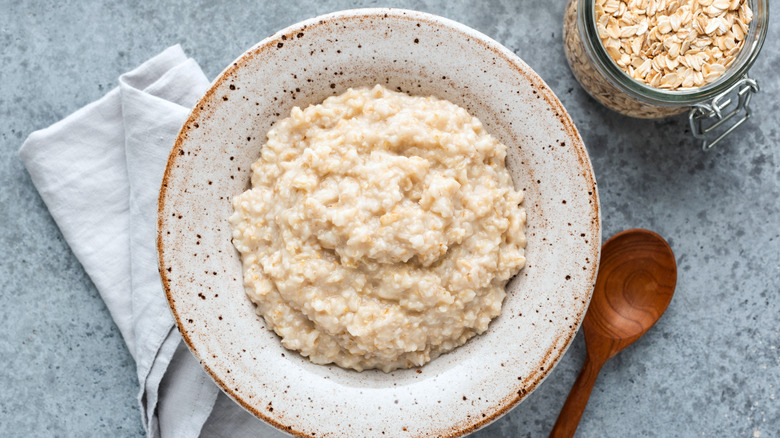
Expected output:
(572, 410)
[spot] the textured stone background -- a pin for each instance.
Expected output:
(711, 367)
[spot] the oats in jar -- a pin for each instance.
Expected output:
(675, 44)
(380, 229)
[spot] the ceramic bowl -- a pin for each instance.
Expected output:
(420, 54)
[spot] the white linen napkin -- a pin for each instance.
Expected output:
(99, 172)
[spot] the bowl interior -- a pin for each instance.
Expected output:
(419, 54)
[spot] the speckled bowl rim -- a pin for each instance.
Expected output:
(521, 68)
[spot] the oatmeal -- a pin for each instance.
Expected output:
(380, 229)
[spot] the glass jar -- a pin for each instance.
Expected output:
(711, 107)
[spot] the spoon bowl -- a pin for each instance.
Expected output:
(635, 284)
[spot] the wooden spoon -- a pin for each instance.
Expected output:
(634, 286)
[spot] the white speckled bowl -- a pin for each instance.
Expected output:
(421, 54)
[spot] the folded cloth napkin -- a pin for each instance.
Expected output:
(99, 172)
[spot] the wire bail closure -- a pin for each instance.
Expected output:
(717, 109)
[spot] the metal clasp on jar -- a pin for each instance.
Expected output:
(716, 109)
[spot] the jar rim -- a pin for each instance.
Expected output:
(754, 41)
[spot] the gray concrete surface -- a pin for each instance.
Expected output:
(711, 367)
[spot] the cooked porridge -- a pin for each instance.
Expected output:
(380, 229)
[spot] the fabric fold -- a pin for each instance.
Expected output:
(78, 166)
(156, 99)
